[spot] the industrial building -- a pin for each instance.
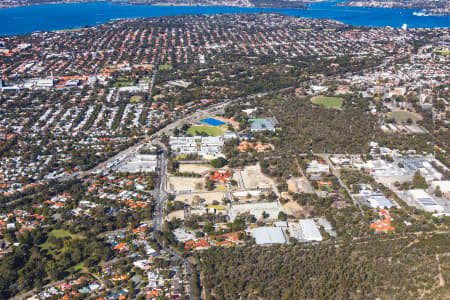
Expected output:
(375, 199)
(402, 169)
(386, 172)
(378, 200)
(444, 186)
(422, 164)
(140, 163)
(310, 230)
(268, 235)
(317, 167)
(306, 230)
(424, 200)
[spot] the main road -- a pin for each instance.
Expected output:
(161, 196)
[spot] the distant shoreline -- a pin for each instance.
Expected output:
(52, 3)
(60, 16)
(424, 11)
(186, 4)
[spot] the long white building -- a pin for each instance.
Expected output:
(425, 200)
(310, 230)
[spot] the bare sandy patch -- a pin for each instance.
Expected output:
(186, 184)
(252, 178)
(202, 198)
(196, 168)
(177, 214)
(292, 185)
(401, 116)
(299, 185)
(286, 195)
(293, 208)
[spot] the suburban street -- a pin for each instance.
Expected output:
(335, 173)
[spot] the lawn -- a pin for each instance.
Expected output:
(60, 233)
(334, 102)
(221, 188)
(119, 84)
(209, 130)
(165, 67)
(136, 99)
(442, 52)
(217, 207)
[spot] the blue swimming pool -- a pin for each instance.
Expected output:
(213, 122)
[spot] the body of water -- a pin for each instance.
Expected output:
(75, 15)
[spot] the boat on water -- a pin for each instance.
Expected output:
(420, 14)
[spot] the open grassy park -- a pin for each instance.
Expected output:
(209, 130)
(333, 102)
(59, 233)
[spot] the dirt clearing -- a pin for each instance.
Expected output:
(196, 168)
(186, 184)
(203, 198)
(252, 178)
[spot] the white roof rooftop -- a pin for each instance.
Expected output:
(310, 230)
(425, 200)
(444, 185)
(268, 235)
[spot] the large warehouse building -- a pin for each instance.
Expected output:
(425, 200)
(268, 235)
(310, 231)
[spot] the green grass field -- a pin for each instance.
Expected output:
(165, 67)
(60, 233)
(334, 102)
(217, 207)
(442, 52)
(136, 99)
(221, 188)
(209, 130)
(119, 84)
